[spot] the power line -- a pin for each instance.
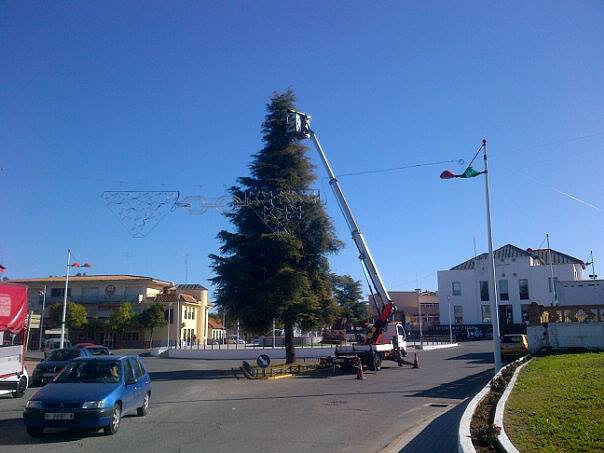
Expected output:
(404, 167)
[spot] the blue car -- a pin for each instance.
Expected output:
(48, 368)
(91, 392)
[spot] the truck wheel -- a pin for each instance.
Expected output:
(375, 362)
(378, 362)
(34, 431)
(22, 386)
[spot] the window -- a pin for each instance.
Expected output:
(192, 312)
(458, 311)
(59, 292)
(549, 283)
(138, 372)
(486, 313)
(504, 294)
(128, 372)
(484, 291)
(523, 288)
(524, 310)
(456, 288)
(90, 294)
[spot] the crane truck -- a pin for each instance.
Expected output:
(13, 339)
(385, 340)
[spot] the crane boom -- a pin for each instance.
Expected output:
(298, 124)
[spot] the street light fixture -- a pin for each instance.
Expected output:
(69, 264)
(419, 311)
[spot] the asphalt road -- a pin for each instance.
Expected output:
(199, 406)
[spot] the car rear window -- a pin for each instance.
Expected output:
(98, 351)
(511, 339)
(61, 355)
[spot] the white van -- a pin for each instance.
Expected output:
(54, 343)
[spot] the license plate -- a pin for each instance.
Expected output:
(58, 416)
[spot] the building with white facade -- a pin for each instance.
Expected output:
(523, 276)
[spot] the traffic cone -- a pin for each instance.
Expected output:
(359, 370)
(416, 361)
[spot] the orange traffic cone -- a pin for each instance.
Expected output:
(359, 365)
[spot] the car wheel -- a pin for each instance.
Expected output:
(116, 418)
(144, 409)
(34, 431)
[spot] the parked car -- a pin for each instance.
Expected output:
(84, 345)
(514, 345)
(91, 392)
(52, 344)
(98, 350)
(55, 362)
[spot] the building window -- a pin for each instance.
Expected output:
(456, 288)
(458, 312)
(484, 291)
(59, 292)
(523, 288)
(524, 310)
(486, 313)
(192, 312)
(504, 294)
(549, 283)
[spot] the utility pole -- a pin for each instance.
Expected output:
(551, 271)
(593, 275)
(419, 317)
(450, 327)
(494, 303)
(274, 342)
(42, 318)
(65, 299)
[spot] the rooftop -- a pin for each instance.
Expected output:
(511, 251)
(92, 278)
(193, 286)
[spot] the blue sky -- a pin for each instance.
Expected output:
(170, 95)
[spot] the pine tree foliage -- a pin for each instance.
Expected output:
(265, 272)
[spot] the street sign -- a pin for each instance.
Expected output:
(34, 322)
(263, 360)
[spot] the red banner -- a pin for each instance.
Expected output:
(13, 307)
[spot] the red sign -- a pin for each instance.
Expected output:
(13, 307)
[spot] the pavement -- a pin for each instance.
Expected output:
(197, 405)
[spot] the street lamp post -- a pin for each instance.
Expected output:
(65, 299)
(42, 318)
(419, 311)
(450, 328)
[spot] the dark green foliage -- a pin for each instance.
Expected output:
(349, 297)
(265, 272)
(153, 317)
(75, 316)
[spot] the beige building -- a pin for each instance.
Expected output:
(186, 306)
(408, 302)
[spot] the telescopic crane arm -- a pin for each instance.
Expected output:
(298, 124)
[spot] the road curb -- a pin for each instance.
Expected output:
(503, 438)
(464, 436)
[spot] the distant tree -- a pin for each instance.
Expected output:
(349, 297)
(266, 272)
(75, 316)
(152, 318)
(122, 319)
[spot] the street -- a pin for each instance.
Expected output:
(197, 405)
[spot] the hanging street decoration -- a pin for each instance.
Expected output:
(468, 173)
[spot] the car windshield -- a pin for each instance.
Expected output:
(512, 339)
(61, 355)
(98, 351)
(90, 371)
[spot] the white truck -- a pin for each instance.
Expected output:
(383, 341)
(13, 339)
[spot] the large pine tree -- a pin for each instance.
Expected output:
(276, 266)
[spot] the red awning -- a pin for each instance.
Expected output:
(13, 307)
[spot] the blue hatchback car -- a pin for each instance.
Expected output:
(90, 392)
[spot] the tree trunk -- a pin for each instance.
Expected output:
(151, 338)
(290, 351)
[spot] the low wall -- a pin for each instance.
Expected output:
(245, 354)
(588, 335)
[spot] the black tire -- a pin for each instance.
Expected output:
(34, 431)
(116, 418)
(375, 362)
(21, 388)
(144, 409)
(378, 362)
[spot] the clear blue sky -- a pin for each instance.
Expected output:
(148, 95)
